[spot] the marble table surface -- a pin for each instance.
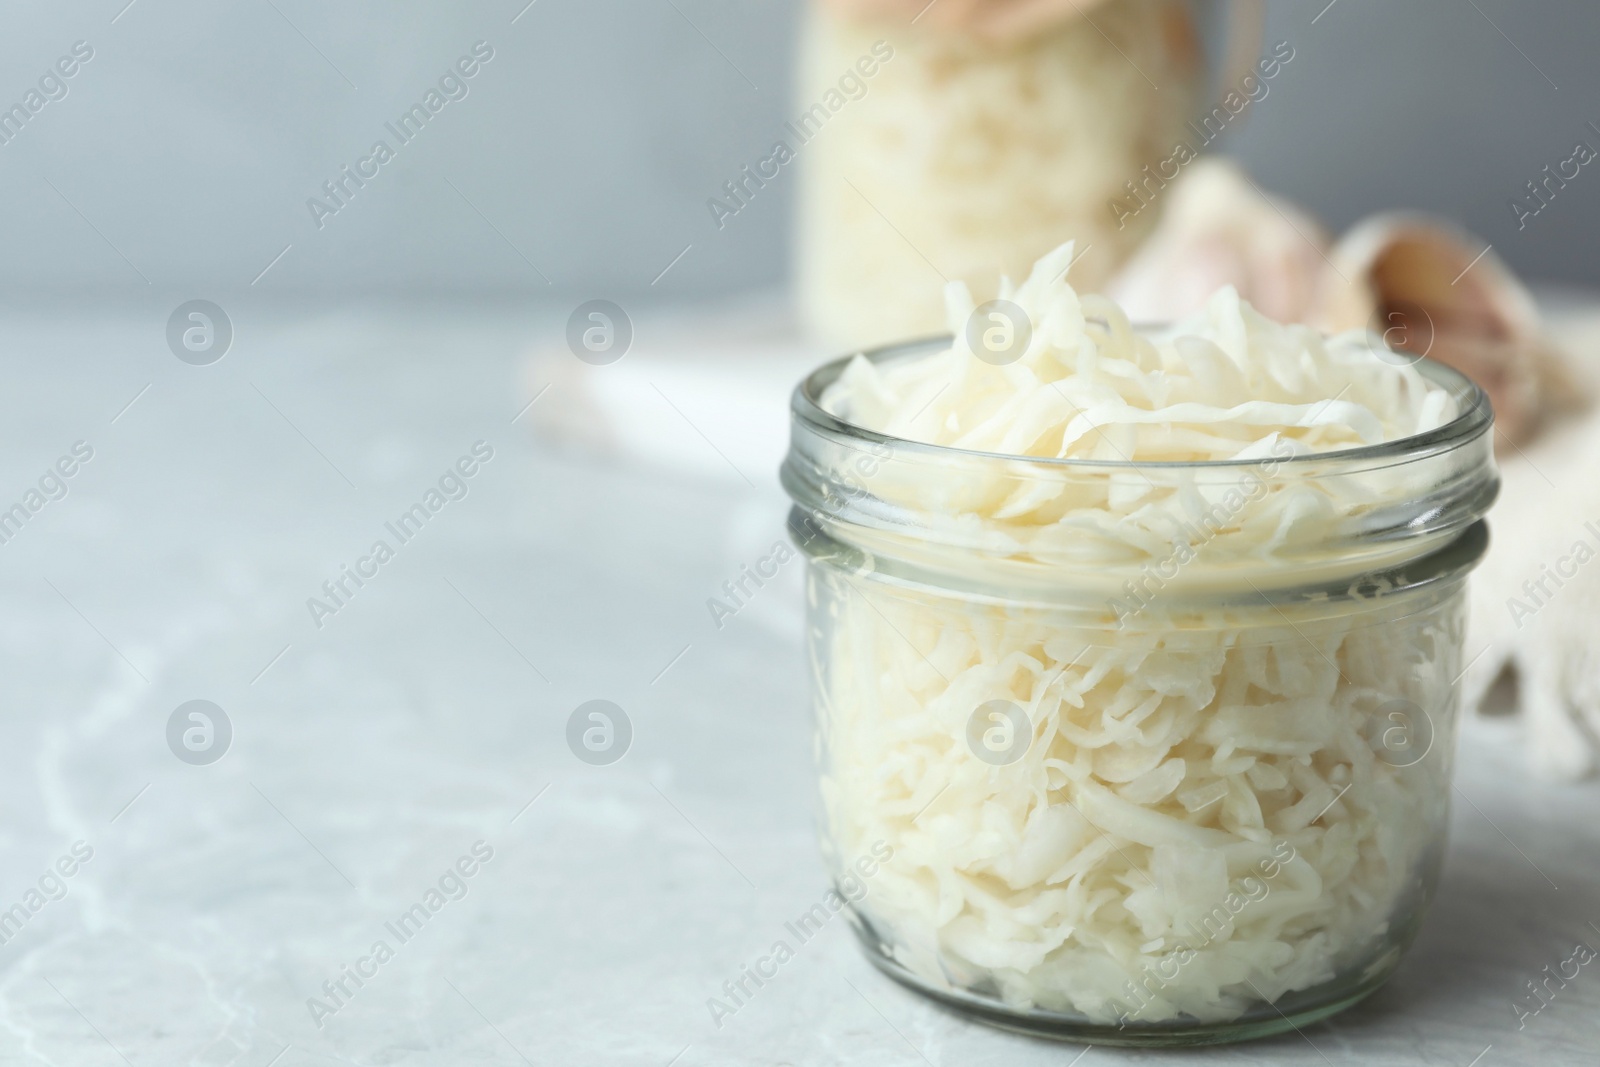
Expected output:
(407, 742)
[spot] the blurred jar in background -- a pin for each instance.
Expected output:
(994, 131)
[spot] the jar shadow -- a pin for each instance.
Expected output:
(1494, 926)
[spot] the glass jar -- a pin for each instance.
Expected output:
(1136, 782)
(930, 153)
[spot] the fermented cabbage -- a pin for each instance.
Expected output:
(1205, 808)
(1227, 384)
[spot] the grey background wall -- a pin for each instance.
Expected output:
(581, 157)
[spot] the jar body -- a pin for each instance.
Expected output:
(1136, 753)
(1167, 827)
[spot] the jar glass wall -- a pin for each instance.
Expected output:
(1194, 794)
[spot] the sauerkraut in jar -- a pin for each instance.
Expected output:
(973, 153)
(1141, 650)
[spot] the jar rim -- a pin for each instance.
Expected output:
(1475, 419)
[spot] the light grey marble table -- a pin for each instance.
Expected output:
(426, 718)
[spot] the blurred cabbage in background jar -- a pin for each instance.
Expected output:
(994, 130)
